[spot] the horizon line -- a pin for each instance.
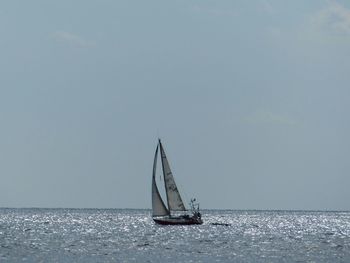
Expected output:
(204, 209)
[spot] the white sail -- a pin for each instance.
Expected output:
(158, 206)
(173, 196)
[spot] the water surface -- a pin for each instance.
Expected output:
(112, 235)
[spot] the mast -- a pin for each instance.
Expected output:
(173, 196)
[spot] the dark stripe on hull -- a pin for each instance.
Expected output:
(167, 221)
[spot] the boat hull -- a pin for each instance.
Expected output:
(178, 221)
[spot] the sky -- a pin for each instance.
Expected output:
(250, 98)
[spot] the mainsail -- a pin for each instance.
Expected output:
(158, 206)
(173, 196)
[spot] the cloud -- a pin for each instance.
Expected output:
(335, 18)
(267, 7)
(72, 39)
(213, 11)
(267, 117)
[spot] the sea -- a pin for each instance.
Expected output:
(125, 235)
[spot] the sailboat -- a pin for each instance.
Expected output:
(175, 213)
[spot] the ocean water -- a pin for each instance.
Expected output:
(113, 235)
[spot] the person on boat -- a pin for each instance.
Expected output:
(195, 208)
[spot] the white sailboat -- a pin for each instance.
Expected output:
(168, 215)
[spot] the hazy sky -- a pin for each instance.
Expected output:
(250, 98)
